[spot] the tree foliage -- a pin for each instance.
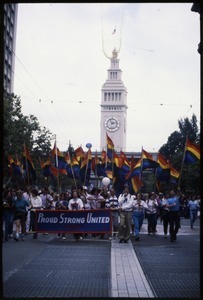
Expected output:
(20, 129)
(173, 150)
(176, 141)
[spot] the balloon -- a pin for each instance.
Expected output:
(88, 145)
(105, 181)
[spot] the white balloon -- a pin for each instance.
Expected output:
(105, 181)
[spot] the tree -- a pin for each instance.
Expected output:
(173, 150)
(176, 141)
(20, 129)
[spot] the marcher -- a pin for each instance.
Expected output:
(8, 214)
(173, 204)
(26, 196)
(47, 199)
(20, 216)
(151, 214)
(138, 214)
(159, 208)
(104, 193)
(84, 196)
(112, 203)
(199, 202)
(61, 204)
(96, 201)
(35, 203)
(75, 203)
(193, 206)
(125, 201)
(164, 214)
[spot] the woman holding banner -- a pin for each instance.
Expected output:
(61, 204)
(75, 203)
(35, 203)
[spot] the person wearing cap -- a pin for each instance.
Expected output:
(125, 201)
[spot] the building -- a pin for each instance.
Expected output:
(10, 24)
(114, 107)
(197, 8)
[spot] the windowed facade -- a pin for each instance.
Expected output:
(10, 22)
(114, 108)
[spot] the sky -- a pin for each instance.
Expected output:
(62, 57)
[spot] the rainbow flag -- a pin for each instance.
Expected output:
(163, 170)
(174, 175)
(28, 163)
(148, 161)
(110, 147)
(192, 153)
(60, 161)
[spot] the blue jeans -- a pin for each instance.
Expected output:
(8, 223)
(193, 216)
(138, 218)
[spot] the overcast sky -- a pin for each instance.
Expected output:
(60, 68)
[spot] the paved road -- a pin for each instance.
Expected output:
(152, 267)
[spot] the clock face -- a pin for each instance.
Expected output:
(112, 124)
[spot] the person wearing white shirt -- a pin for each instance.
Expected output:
(75, 203)
(193, 206)
(26, 196)
(35, 203)
(125, 202)
(47, 199)
(112, 203)
(138, 214)
(152, 213)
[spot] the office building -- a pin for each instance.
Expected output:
(10, 24)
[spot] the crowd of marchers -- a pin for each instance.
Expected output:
(128, 210)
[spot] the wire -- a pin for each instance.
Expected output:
(38, 100)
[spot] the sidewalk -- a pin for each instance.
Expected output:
(127, 277)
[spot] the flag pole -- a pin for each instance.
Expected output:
(106, 152)
(26, 166)
(140, 176)
(181, 168)
(57, 169)
(86, 166)
(72, 170)
(96, 168)
(113, 165)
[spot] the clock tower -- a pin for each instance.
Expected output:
(114, 107)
